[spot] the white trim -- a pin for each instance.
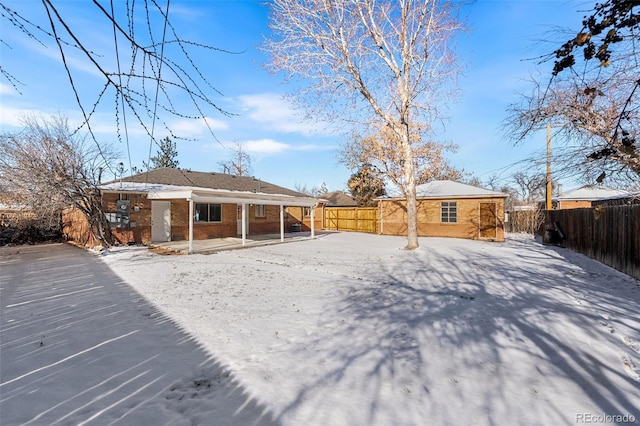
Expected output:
(207, 195)
(191, 204)
(281, 223)
(244, 224)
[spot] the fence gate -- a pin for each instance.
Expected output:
(359, 219)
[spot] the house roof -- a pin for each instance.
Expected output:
(211, 180)
(339, 198)
(205, 187)
(451, 189)
(592, 193)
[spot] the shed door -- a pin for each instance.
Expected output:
(160, 221)
(488, 220)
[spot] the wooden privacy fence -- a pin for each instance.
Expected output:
(609, 234)
(360, 219)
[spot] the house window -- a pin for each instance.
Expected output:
(307, 211)
(449, 212)
(208, 213)
(261, 210)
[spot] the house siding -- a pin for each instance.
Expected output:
(394, 218)
(573, 204)
(296, 215)
(139, 231)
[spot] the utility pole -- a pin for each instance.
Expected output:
(549, 186)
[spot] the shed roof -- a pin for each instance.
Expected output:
(451, 189)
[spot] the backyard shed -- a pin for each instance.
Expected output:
(447, 209)
(168, 204)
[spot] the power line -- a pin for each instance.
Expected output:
(155, 103)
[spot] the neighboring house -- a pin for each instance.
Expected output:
(12, 211)
(627, 199)
(170, 204)
(338, 199)
(447, 209)
(584, 196)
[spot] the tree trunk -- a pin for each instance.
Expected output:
(410, 193)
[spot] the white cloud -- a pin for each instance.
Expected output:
(196, 127)
(12, 117)
(265, 146)
(278, 114)
(270, 146)
(7, 90)
(101, 123)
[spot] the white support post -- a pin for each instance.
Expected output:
(244, 224)
(190, 226)
(313, 221)
(281, 223)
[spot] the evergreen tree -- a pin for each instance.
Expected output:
(166, 156)
(365, 185)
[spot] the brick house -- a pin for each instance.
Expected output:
(447, 209)
(168, 204)
(584, 196)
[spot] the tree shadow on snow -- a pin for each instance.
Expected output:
(537, 341)
(80, 346)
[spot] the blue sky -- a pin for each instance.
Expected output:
(286, 149)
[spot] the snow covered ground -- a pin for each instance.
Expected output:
(350, 329)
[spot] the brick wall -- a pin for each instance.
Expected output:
(296, 215)
(139, 230)
(574, 204)
(394, 218)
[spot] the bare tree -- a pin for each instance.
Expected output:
(239, 163)
(371, 62)
(315, 191)
(48, 169)
(380, 152)
(584, 121)
(529, 187)
(592, 104)
(148, 67)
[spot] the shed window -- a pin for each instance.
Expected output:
(449, 212)
(208, 213)
(261, 210)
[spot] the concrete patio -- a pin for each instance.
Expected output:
(234, 243)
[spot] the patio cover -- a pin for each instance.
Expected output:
(194, 195)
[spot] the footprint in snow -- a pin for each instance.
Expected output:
(632, 370)
(632, 344)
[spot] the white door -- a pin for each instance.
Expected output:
(160, 221)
